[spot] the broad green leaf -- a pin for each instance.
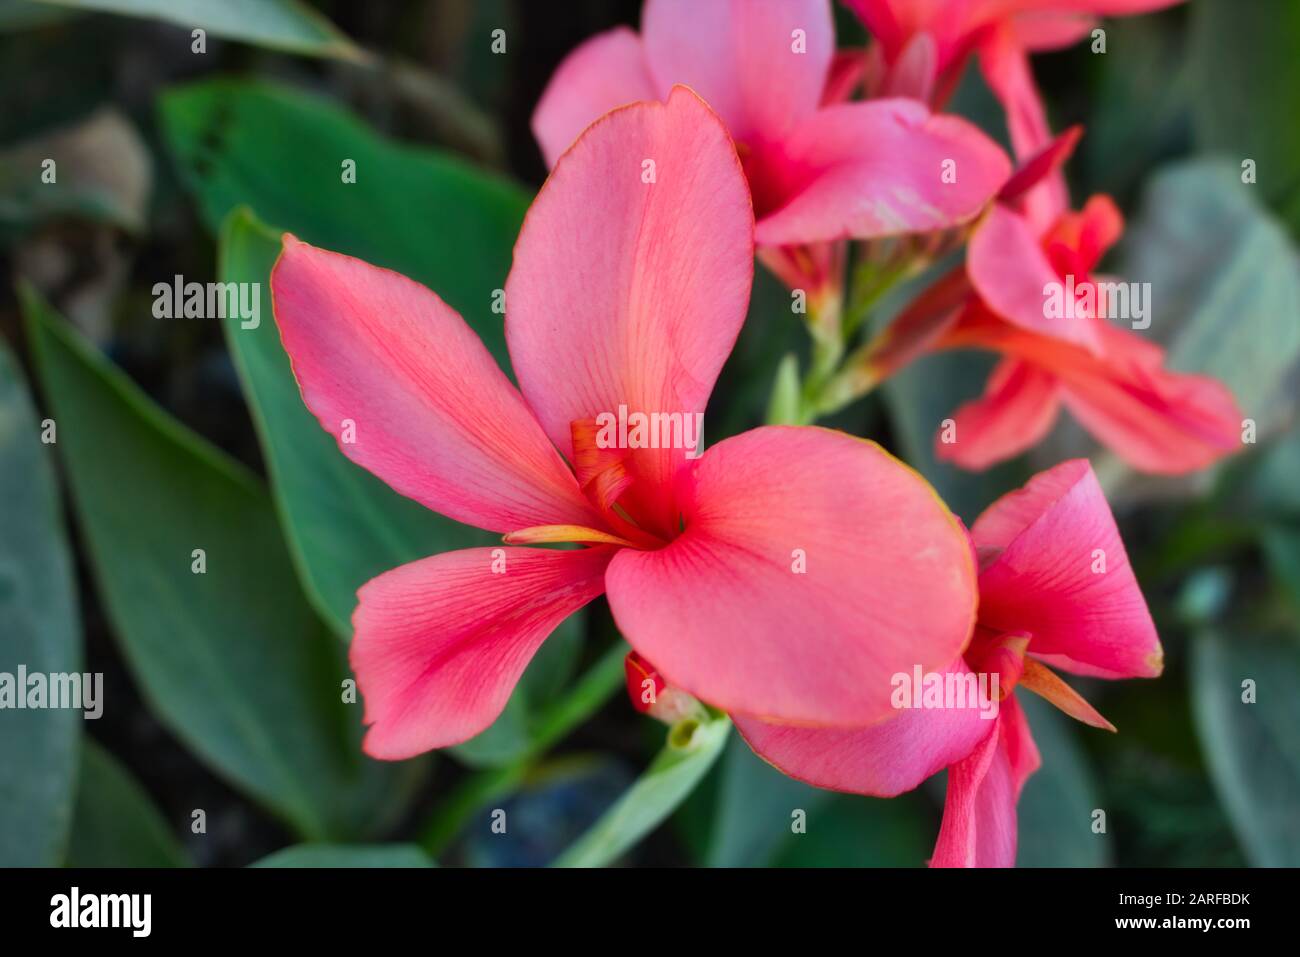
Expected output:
(39, 629)
(1252, 746)
(228, 654)
(1057, 803)
(116, 824)
(347, 855)
(1225, 283)
(1281, 545)
(1245, 72)
(279, 24)
(690, 751)
(755, 813)
(344, 525)
(418, 212)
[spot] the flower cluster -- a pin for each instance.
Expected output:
(788, 574)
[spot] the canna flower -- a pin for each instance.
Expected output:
(625, 296)
(819, 168)
(922, 47)
(1056, 591)
(1025, 260)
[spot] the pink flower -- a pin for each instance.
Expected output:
(785, 573)
(820, 169)
(1056, 590)
(1026, 253)
(923, 46)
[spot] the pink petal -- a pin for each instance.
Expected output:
(440, 643)
(631, 293)
(1019, 407)
(873, 169)
(883, 759)
(739, 55)
(725, 613)
(432, 413)
(1064, 578)
(1005, 66)
(979, 813)
(605, 72)
(1013, 276)
(1158, 421)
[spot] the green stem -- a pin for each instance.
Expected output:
(588, 695)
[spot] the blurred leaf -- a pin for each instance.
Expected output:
(344, 525)
(1056, 805)
(753, 815)
(347, 855)
(1253, 749)
(26, 14)
(1245, 71)
(852, 831)
(1225, 282)
(231, 660)
(1281, 544)
(116, 823)
(279, 24)
(418, 212)
(39, 628)
(691, 749)
(101, 171)
(919, 398)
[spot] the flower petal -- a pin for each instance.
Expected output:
(1014, 277)
(440, 643)
(413, 396)
(605, 72)
(883, 759)
(979, 812)
(744, 57)
(1158, 421)
(628, 292)
(873, 169)
(812, 567)
(1019, 406)
(1063, 577)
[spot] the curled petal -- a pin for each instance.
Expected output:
(1019, 406)
(884, 759)
(1062, 575)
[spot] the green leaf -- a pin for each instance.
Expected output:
(232, 660)
(116, 824)
(852, 831)
(279, 24)
(1245, 72)
(418, 212)
(39, 629)
(1055, 809)
(1253, 749)
(1225, 283)
(754, 814)
(691, 749)
(347, 855)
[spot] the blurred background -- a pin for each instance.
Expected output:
(222, 692)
